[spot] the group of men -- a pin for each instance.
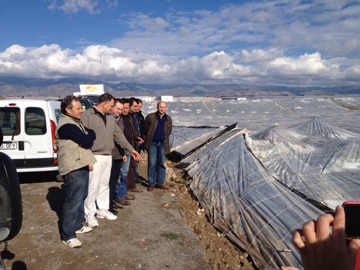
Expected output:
(98, 153)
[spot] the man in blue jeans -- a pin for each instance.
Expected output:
(74, 141)
(121, 190)
(157, 129)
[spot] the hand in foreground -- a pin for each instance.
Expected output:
(135, 155)
(322, 249)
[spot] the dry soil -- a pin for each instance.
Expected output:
(159, 230)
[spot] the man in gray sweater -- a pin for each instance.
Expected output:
(99, 119)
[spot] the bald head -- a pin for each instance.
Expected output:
(162, 107)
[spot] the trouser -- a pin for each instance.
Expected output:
(114, 177)
(156, 164)
(98, 194)
(121, 189)
(131, 180)
(75, 191)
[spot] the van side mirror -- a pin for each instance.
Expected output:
(10, 198)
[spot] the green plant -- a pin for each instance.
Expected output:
(170, 236)
(182, 181)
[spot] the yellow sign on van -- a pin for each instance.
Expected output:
(91, 89)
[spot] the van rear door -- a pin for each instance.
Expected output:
(11, 127)
(28, 138)
(37, 136)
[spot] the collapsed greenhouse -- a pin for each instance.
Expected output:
(270, 166)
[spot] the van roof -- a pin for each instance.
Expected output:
(30, 98)
(27, 100)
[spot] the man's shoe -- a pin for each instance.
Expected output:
(91, 221)
(112, 210)
(163, 187)
(84, 229)
(130, 197)
(106, 214)
(136, 190)
(150, 188)
(73, 243)
(121, 202)
(116, 206)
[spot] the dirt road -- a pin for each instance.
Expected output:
(159, 230)
(148, 234)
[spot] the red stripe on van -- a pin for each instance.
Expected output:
(53, 139)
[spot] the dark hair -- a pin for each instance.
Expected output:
(125, 100)
(66, 103)
(105, 98)
(132, 100)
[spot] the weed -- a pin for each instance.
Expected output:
(170, 236)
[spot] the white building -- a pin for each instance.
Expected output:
(167, 98)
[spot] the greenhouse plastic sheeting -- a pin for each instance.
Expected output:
(249, 187)
(263, 166)
(316, 159)
(258, 189)
(245, 203)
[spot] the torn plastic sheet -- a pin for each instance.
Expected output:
(258, 189)
(286, 161)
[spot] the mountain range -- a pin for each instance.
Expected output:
(14, 86)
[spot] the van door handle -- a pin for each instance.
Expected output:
(21, 146)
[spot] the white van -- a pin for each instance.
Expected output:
(28, 127)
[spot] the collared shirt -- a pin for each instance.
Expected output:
(101, 114)
(117, 119)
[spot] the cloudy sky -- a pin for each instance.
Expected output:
(284, 42)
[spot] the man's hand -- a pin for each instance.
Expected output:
(91, 167)
(322, 248)
(140, 140)
(135, 155)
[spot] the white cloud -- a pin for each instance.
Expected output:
(352, 75)
(304, 64)
(259, 55)
(326, 26)
(270, 42)
(105, 63)
(75, 6)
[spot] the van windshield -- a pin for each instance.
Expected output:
(10, 121)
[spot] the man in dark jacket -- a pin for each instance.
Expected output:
(138, 125)
(157, 129)
(133, 137)
(141, 116)
(121, 158)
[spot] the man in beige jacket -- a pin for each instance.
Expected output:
(74, 141)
